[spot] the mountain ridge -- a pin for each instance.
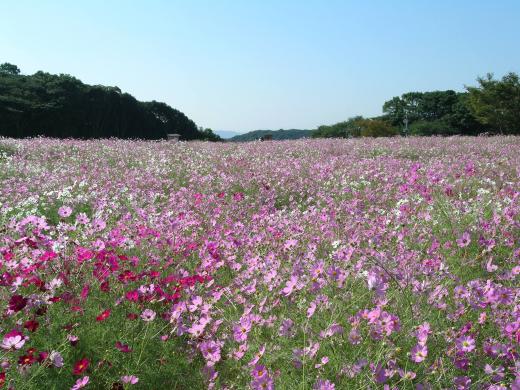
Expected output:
(281, 134)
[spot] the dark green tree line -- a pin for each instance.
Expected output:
(491, 107)
(62, 106)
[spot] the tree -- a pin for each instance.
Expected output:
(209, 135)
(347, 129)
(497, 102)
(435, 112)
(377, 128)
(428, 128)
(7, 68)
(62, 106)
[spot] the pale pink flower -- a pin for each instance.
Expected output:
(13, 342)
(131, 379)
(64, 211)
(80, 383)
(148, 315)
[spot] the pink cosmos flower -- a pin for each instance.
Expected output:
(64, 211)
(98, 245)
(462, 383)
(289, 244)
(148, 315)
(131, 379)
(241, 330)
(373, 315)
(422, 333)
(98, 224)
(285, 329)
(265, 383)
(259, 372)
(197, 329)
(324, 360)
(466, 343)
(419, 353)
(257, 356)
(497, 373)
(291, 283)
(240, 351)
(464, 240)
(73, 339)
(311, 309)
(323, 384)
(82, 218)
(80, 383)
(13, 340)
(210, 351)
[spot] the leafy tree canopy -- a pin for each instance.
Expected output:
(496, 103)
(7, 68)
(62, 106)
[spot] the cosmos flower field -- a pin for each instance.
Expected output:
(312, 264)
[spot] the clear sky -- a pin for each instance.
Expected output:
(266, 64)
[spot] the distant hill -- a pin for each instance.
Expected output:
(226, 134)
(277, 135)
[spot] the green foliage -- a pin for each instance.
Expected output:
(436, 127)
(377, 128)
(61, 106)
(347, 129)
(497, 102)
(357, 127)
(209, 135)
(7, 68)
(432, 113)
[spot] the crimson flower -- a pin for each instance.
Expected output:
(103, 316)
(132, 295)
(123, 347)
(17, 303)
(132, 316)
(42, 356)
(26, 360)
(84, 292)
(31, 325)
(80, 366)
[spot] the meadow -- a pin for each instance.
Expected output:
(311, 264)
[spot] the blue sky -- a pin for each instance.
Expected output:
(245, 65)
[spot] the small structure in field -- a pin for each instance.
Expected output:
(266, 137)
(174, 137)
